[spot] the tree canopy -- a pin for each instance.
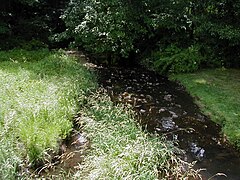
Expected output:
(169, 35)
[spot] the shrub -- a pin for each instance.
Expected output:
(33, 45)
(176, 60)
(21, 55)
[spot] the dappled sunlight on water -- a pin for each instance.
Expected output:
(164, 107)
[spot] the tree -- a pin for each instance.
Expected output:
(218, 29)
(22, 21)
(118, 28)
(103, 28)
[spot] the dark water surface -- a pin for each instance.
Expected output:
(165, 107)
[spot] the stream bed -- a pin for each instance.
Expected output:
(166, 108)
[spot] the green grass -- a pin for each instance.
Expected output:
(38, 99)
(121, 150)
(217, 93)
(41, 91)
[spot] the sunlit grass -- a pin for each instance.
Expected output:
(121, 150)
(218, 93)
(41, 91)
(38, 99)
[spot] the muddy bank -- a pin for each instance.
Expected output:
(63, 162)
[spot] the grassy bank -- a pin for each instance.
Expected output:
(121, 150)
(41, 91)
(217, 93)
(38, 99)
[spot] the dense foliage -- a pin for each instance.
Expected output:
(217, 29)
(104, 28)
(24, 21)
(204, 33)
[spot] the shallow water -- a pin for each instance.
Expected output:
(165, 107)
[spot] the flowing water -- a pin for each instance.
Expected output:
(164, 107)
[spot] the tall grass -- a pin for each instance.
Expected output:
(38, 99)
(41, 91)
(121, 150)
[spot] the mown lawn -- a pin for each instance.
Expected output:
(217, 93)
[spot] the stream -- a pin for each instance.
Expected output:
(165, 107)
